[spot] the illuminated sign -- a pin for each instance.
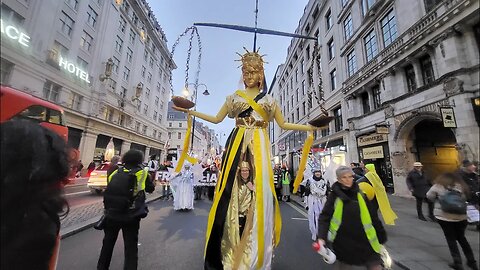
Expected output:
(372, 139)
(70, 67)
(13, 33)
(373, 152)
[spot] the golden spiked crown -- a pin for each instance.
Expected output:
(253, 59)
(244, 164)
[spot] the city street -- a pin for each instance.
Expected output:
(78, 194)
(175, 240)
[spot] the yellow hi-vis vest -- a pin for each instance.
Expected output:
(141, 178)
(336, 221)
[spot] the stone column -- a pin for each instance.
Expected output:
(125, 147)
(87, 146)
(147, 154)
(418, 72)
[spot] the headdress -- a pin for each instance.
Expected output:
(244, 164)
(253, 60)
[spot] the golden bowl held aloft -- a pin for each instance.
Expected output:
(182, 102)
(321, 121)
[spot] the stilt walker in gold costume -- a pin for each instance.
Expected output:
(244, 223)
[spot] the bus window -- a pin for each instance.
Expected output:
(55, 117)
(35, 112)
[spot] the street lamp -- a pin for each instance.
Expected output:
(186, 93)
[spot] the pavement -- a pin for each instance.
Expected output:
(415, 244)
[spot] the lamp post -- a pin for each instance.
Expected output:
(195, 95)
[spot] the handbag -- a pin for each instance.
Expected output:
(100, 224)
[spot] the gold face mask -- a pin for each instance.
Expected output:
(252, 69)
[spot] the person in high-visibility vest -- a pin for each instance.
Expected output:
(350, 224)
(285, 183)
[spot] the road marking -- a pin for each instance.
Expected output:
(81, 192)
(297, 209)
(296, 218)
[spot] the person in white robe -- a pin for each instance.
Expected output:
(182, 186)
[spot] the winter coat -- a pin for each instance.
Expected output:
(471, 179)
(418, 183)
(435, 192)
(351, 245)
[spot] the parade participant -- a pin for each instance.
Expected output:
(182, 186)
(213, 181)
(113, 165)
(277, 175)
(153, 167)
(468, 172)
(350, 225)
(124, 207)
(418, 184)
(453, 224)
(285, 180)
(316, 191)
(252, 109)
(34, 169)
(373, 187)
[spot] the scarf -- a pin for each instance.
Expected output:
(383, 203)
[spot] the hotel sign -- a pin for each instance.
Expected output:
(372, 139)
(448, 117)
(13, 33)
(373, 152)
(72, 68)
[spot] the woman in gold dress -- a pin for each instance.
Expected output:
(250, 246)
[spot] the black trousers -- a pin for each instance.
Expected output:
(455, 232)
(419, 206)
(130, 238)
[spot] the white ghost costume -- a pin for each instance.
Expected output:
(315, 201)
(182, 186)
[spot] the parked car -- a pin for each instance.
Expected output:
(97, 182)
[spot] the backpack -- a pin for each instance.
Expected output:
(119, 201)
(453, 202)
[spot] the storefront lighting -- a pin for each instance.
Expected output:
(477, 101)
(342, 148)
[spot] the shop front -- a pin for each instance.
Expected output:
(330, 151)
(373, 148)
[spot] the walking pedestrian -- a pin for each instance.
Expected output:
(124, 207)
(316, 191)
(468, 172)
(452, 224)
(277, 176)
(418, 184)
(373, 187)
(285, 183)
(350, 225)
(153, 167)
(113, 165)
(34, 168)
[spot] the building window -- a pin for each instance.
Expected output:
(145, 55)
(371, 45)
(179, 135)
(147, 93)
(157, 99)
(410, 76)
(169, 124)
(92, 17)
(333, 79)
(6, 70)
(66, 24)
(51, 91)
(151, 62)
(154, 134)
(9, 15)
(351, 63)
(132, 36)
(171, 116)
(161, 103)
(139, 106)
(376, 97)
(366, 5)
(134, 18)
(303, 87)
(344, 2)
(73, 4)
(144, 69)
(430, 4)
(137, 124)
(144, 131)
(122, 24)
(155, 113)
(149, 77)
(86, 41)
(129, 55)
(76, 101)
(365, 102)
(328, 19)
(427, 70)
(298, 113)
(124, 92)
(118, 44)
(82, 63)
(121, 120)
(145, 109)
(389, 28)
(331, 49)
(180, 124)
(348, 27)
(337, 113)
(304, 111)
(116, 63)
(169, 135)
(126, 73)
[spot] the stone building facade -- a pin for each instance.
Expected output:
(70, 43)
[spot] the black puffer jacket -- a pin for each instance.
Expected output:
(351, 244)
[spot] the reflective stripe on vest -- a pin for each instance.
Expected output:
(370, 232)
(141, 178)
